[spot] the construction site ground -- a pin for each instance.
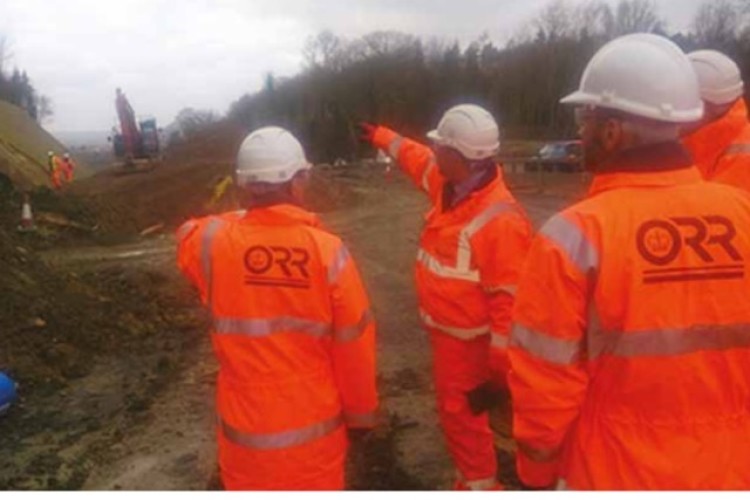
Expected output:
(112, 352)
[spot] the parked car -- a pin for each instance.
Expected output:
(561, 156)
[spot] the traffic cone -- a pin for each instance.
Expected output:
(27, 216)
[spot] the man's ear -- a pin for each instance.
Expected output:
(612, 135)
(299, 183)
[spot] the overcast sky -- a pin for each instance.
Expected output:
(170, 54)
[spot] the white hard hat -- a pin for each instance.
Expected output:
(50, 153)
(470, 129)
(719, 78)
(269, 154)
(643, 75)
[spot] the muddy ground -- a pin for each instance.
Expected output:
(127, 399)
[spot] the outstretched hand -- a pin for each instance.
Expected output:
(366, 132)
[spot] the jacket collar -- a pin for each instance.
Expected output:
(282, 214)
(455, 194)
(438, 216)
(659, 165)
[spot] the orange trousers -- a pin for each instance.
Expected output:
(57, 179)
(67, 174)
(458, 367)
(317, 465)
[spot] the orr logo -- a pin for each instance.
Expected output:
(277, 266)
(662, 241)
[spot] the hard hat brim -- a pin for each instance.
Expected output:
(434, 136)
(578, 98)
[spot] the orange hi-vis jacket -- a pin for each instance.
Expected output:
(630, 350)
(295, 340)
(469, 256)
(721, 149)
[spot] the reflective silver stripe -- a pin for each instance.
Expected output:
(671, 342)
(338, 263)
(185, 229)
(486, 216)
(454, 331)
(285, 439)
(462, 269)
(426, 175)
(573, 242)
(255, 327)
(435, 267)
(509, 289)
(593, 327)
(544, 346)
(353, 332)
(361, 419)
(463, 256)
(208, 238)
(394, 146)
(499, 341)
(734, 149)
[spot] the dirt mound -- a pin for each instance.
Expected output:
(183, 183)
(89, 335)
(48, 319)
(218, 142)
(23, 149)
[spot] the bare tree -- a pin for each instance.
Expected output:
(594, 18)
(717, 23)
(321, 50)
(555, 20)
(636, 16)
(44, 108)
(380, 43)
(190, 121)
(5, 54)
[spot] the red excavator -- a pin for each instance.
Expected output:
(137, 145)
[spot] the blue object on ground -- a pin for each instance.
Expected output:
(7, 392)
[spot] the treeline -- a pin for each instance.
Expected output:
(407, 82)
(16, 88)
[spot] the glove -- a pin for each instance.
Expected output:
(484, 397)
(366, 132)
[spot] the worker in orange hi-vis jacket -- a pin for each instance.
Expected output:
(68, 166)
(470, 253)
(630, 349)
(292, 327)
(720, 142)
(55, 169)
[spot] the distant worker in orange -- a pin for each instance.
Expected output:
(630, 351)
(720, 142)
(68, 166)
(55, 169)
(471, 250)
(292, 327)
